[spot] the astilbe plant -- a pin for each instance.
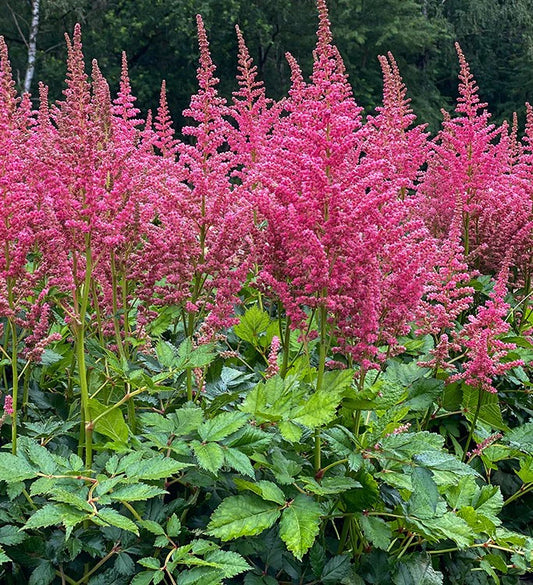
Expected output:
(24, 284)
(94, 166)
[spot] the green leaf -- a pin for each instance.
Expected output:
(290, 431)
(250, 440)
(49, 357)
(42, 485)
(136, 493)
(112, 423)
(489, 412)
(425, 496)
(222, 425)
(149, 563)
(462, 493)
(525, 473)
(15, 489)
(489, 502)
(43, 574)
(158, 467)
(477, 522)
(114, 518)
(210, 456)
(10, 535)
(152, 527)
(336, 569)
(190, 357)
(438, 461)
(66, 497)
(173, 526)
(252, 324)
(497, 562)
(48, 515)
(321, 407)
(376, 530)
(160, 422)
(40, 457)
(329, 485)
(451, 526)
(15, 469)
(317, 558)
(239, 461)
(143, 578)
(230, 562)
(520, 438)
(167, 354)
(423, 393)
(124, 564)
(186, 419)
(416, 570)
(245, 515)
(3, 557)
(266, 489)
(299, 524)
(487, 567)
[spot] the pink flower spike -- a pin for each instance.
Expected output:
(8, 405)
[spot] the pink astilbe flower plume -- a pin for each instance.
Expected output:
(23, 220)
(481, 338)
(339, 237)
(469, 170)
(447, 294)
(253, 112)
(165, 141)
(98, 176)
(206, 220)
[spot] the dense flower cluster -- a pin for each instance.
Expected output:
(355, 226)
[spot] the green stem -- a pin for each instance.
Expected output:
(101, 562)
(319, 381)
(286, 346)
(86, 423)
(118, 404)
(525, 489)
(132, 510)
(331, 465)
(344, 534)
(26, 389)
(481, 395)
(116, 321)
(15, 376)
(66, 578)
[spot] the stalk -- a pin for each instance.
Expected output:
(481, 395)
(122, 347)
(319, 381)
(286, 348)
(15, 376)
(86, 428)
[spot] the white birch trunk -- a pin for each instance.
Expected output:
(32, 45)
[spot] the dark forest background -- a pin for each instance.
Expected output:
(159, 39)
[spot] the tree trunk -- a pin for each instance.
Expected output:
(32, 45)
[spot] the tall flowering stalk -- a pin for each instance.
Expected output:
(95, 166)
(486, 352)
(23, 283)
(339, 239)
(469, 173)
(205, 219)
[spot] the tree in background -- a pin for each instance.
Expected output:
(159, 39)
